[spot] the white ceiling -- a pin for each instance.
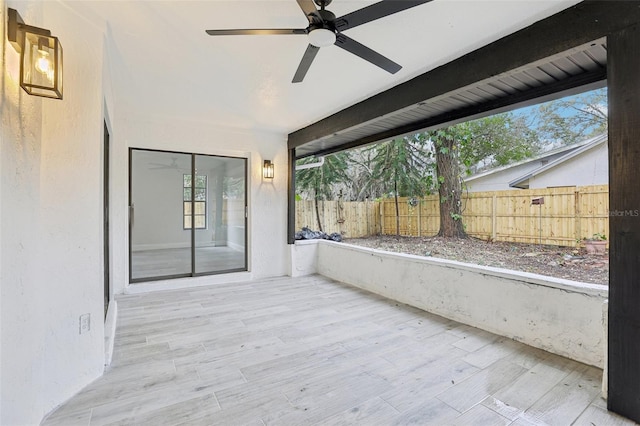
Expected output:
(162, 60)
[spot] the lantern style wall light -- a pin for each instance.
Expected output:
(267, 170)
(40, 57)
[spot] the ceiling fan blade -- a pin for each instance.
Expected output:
(273, 31)
(309, 9)
(305, 63)
(375, 11)
(350, 45)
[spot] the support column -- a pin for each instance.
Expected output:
(623, 71)
(291, 192)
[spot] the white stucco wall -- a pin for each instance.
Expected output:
(267, 199)
(3, 18)
(588, 168)
(51, 223)
(303, 258)
(556, 315)
(108, 109)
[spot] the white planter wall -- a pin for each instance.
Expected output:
(304, 258)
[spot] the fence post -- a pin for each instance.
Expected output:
(420, 217)
(494, 217)
(578, 219)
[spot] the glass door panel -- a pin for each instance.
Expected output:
(187, 215)
(219, 214)
(160, 203)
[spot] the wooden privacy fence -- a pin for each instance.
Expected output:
(352, 219)
(567, 216)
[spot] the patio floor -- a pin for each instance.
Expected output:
(301, 351)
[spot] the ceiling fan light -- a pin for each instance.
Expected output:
(322, 37)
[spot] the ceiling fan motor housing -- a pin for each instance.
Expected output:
(327, 16)
(322, 32)
(322, 37)
(322, 3)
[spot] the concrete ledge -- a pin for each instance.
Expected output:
(304, 258)
(557, 315)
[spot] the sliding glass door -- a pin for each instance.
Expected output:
(220, 234)
(187, 215)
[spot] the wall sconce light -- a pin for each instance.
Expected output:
(40, 57)
(267, 170)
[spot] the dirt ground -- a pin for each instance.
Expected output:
(561, 262)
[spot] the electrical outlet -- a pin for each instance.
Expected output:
(85, 323)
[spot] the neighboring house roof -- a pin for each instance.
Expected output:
(523, 181)
(564, 149)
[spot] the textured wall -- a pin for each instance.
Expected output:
(51, 255)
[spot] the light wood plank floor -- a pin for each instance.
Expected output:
(166, 262)
(310, 351)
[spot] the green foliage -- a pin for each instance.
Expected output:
(597, 237)
(318, 182)
(497, 140)
(455, 216)
(403, 166)
(573, 119)
(492, 141)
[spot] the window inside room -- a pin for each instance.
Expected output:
(195, 196)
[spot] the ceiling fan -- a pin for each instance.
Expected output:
(325, 29)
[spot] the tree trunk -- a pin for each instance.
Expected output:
(395, 192)
(315, 202)
(449, 189)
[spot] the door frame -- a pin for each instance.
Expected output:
(192, 274)
(106, 193)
